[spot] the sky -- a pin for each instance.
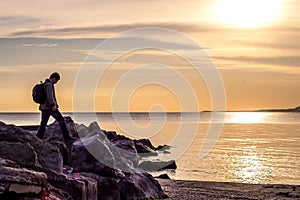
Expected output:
(254, 47)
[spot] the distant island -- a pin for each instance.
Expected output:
(297, 109)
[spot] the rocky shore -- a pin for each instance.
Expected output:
(100, 165)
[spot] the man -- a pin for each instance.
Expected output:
(50, 108)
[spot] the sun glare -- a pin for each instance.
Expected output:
(247, 117)
(247, 13)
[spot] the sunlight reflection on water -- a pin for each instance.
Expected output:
(247, 117)
(251, 166)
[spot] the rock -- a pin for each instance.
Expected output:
(107, 187)
(58, 194)
(143, 147)
(20, 182)
(97, 154)
(54, 136)
(76, 185)
(162, 147)
(48, 156)
(137, 185)
(156, 166)
(140, 185)
(100, 165)
(84, 161)
(107, 162)
(11, 150)
(163, 176)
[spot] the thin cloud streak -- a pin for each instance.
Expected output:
(110, 28)
(40, 45)
(115, 28)
(17, 20)
(291, 61)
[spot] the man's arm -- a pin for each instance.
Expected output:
(50, 96)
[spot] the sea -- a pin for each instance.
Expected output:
(243, 147)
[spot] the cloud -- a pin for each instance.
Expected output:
(71, 31)
(179, 26)
(291, 61)
(40, 45)
(27, 51)
(17, 20)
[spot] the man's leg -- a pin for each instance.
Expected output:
(44, 120)
(60, 119)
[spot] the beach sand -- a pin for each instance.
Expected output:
(192, 190)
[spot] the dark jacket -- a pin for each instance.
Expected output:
(50, 93)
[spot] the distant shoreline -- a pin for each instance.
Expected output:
(296, 109)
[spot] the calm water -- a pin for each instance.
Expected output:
(251, 147)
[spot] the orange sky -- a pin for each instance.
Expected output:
(254, 46)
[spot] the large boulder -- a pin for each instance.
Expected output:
(20, 182)
(11, 150)
(107, 162)
(101, 164)
(140, 185)
(39, 153)
(97, 154)
(76, 185)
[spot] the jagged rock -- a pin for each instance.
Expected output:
(58, 194)
(163, 176)
(54, 133)
(102, 164)
(84, 161)
(48, 156)
(156, 166)
(22, 153)
(137, 185)
(140, 185)
(143, 147)
(76, 185)
(98, 155)
(20, 182)
(107, 187)
(162, 147)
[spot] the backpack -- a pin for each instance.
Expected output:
(38, 93)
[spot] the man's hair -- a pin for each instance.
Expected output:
(55, 75)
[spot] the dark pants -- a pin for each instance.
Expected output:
(59, 118)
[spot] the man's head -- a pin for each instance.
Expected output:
(55, 77)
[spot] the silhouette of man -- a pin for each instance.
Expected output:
(50, 108)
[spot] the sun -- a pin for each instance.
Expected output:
(247, 13)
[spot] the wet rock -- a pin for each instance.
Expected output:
(156, 166)
(143, 146)
(163, 176)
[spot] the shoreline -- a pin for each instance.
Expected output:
(195, 190)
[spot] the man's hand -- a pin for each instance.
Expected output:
(54, 108)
